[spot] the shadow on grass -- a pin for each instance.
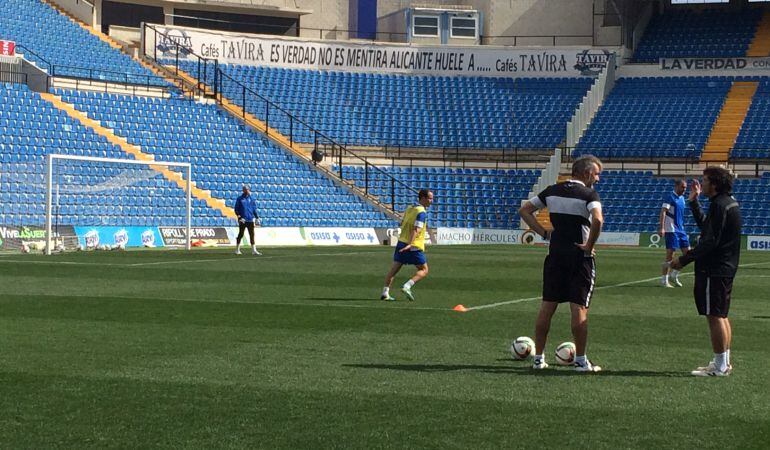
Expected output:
(760, 317)
(517, 370)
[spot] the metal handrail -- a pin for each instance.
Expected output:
(319, 138)
(93, 73)
(27, 50)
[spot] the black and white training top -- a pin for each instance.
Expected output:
(569, 205)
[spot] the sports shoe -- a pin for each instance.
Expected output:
(677, 283)
(387, 298)
(711, 371)
(540, 365)
(408, 293)
(665, 284)
(238, 252)
(256, 252)
(588, 367)
(713, 366)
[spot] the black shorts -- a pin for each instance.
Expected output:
(569, 278)
(712, 295)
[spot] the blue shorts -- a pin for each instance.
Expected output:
(677, 239)
(413, 257)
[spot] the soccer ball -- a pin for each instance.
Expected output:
(24, 248)
(522, 348)
(565, 354)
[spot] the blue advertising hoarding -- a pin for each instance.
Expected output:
(92, 237)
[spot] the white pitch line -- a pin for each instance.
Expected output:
(627, 283)
(245, 257)
(69, 263)
(184, 261)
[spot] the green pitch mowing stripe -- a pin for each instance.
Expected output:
(297, 351)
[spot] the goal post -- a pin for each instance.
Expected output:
(102, 180)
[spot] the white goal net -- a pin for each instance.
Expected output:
(109, 203)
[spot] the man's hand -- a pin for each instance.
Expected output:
(676, 264)
(661, 232)
(694, 190)
(241, 220)
(406, 248)
(587, 249)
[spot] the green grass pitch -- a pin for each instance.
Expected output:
(294, 350)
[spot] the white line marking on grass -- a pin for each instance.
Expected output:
(627, 283)
(183, 261)
(70, 263)
(245, 257)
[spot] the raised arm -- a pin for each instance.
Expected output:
(697, 213)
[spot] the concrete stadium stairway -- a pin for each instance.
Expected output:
(728, 124)
(139, 155)
(760, 45)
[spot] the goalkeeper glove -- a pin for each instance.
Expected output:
(241, 220)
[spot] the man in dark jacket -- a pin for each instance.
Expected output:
(246, 211)
(716, 262)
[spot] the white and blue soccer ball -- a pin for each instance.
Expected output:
(522, 348)
(565, 354)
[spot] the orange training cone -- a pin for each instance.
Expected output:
(460, 308)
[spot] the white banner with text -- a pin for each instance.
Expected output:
(372, 57)
(715, 64)
(758, 243)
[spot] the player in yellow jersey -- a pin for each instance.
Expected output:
(411, 245)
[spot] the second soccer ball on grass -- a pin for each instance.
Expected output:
(565, 354)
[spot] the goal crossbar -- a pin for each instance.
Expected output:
(52, 157)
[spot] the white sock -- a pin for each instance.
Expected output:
(238, 247)
(720, 360)
(254, 248)
(539, 359)
(581, 360)
(664, 279)
(727, 356)
(385, 291)
(674, 274)
(408, 284)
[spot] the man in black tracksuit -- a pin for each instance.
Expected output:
(716, 262)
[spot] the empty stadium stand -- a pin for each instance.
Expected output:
(31, 128)
(412, 111)
(225, 154)
(754, 139)
(464, 197)
(65, 44)
(697, 34)
(632, 201)
(650, 118)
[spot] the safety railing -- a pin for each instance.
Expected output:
(277, 122)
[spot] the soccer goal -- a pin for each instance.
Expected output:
(114, 203)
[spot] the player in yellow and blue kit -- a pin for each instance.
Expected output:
(411, 245)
